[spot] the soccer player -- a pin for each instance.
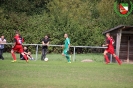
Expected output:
(2, 42)
(110, 49)
(28, 54)
(17, 47)
(45, 43)
(66, 48)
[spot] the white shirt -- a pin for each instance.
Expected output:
(2, 45)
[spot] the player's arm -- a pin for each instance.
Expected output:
(22, 39)
(108, 41)
(0, 41)
(113, 41)
(47, 43)
(62, 46)
(26, 53)
(14, 43)
(68, 41)
(69, 45)
(43, 43)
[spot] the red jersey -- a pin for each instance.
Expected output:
(18, 40)
(110, 48)
(110, 43)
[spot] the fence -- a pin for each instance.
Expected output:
(74, 48)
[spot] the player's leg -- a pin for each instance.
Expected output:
(42, 57)
(20, 50)
(117, 59)
(106, 57)
(45, 52)
(30, 56)
(2, 54)
(65, 53)
(21, 57)
(68, 57)
(13, 55)
(25, 56)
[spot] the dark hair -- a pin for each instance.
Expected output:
(47, 36)
(16, 31)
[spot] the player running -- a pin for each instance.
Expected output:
(66, 48)
(110, 49)
(17, 47)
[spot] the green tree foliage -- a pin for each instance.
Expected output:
(83, 20)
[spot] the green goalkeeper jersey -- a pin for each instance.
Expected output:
(67, 42)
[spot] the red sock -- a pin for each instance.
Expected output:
(14, 56)
(25, 57)
(118, 60)
(107, 59)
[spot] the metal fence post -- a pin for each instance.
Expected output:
(36, 52)
(74, 47)
(110, 58)
(74, 54)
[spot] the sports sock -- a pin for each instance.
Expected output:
(14, 56)
(107, 59)
(118, 60)
(25, 57)
(68, 58)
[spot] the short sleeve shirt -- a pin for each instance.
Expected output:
(67, 42)
(2, 45)
(110, 43)
(45, 41)
(18, 40)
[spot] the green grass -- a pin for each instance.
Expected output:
(56, 73)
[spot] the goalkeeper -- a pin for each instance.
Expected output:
(66, 48)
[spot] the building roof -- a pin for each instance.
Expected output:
(117, 27)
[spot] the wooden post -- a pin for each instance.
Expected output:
(128, 50)
(118, 42)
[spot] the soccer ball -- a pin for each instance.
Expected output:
(46, 59)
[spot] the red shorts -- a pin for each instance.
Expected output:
(111, 51)
(18, 48)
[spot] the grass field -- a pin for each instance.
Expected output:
(56, 73)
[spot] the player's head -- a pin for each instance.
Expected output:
(65, 35)
(107, 35)
(2, 37)
(17, 33)
(25, 48)
(45, 36)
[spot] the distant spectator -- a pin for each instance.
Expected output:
(2, 42)
(45, 43)
(28, 54)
